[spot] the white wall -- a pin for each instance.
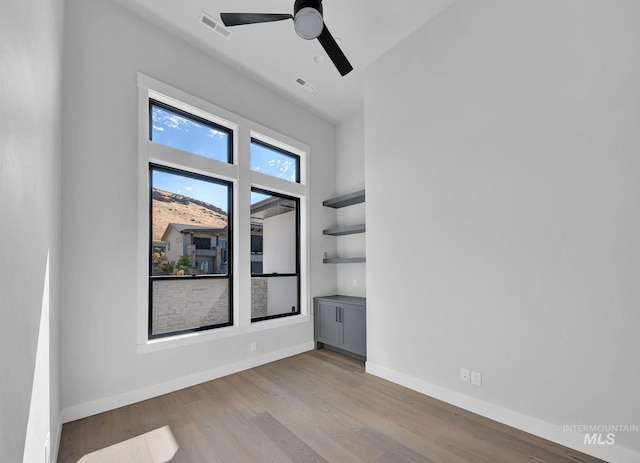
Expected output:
(30, 151)
(350, 177)
(502, 163)
(282, 294)
(279, 254)
(278, 243)
(101, 368)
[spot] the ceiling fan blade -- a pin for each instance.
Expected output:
(333, 50)
(238, 19)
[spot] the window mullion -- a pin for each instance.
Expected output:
(277, 185)
(242, 230)
(173, 157)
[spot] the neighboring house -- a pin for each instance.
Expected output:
(206, 246)
(261, 213)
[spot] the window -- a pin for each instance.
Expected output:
(190, 286)
(273, 161)
(178, 129)
(275, 257)
(190, 283)
(203, 168)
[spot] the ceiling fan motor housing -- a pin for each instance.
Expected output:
(315, 4)
(307, 19)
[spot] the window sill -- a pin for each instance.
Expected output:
(172, 342)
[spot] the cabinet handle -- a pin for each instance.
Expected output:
(341, 309)
(337, 308)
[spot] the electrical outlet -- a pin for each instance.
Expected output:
(355, 283)
(253, 346)
(464, 375)
(476, 378)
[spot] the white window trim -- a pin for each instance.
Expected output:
(239, 172)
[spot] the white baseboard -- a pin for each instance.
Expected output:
(550, 431)
(55, 442)
(84, 410)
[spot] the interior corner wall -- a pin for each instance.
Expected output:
(106, 46)
(502, 173)
(350, 177)
(30, 153)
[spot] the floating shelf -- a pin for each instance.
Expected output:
(350, 199)
(345, 200)
(344, 260)
(348, 230)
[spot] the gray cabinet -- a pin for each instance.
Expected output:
(341, 324)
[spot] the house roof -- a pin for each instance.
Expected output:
(271, 206)
(189, 228)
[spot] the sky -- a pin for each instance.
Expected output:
(180, 132)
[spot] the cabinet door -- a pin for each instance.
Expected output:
(328, 325)
(354, 329)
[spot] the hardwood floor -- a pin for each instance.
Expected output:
(314, 407)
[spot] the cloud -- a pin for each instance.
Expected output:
(215, 134)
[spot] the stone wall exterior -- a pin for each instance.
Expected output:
(258, 297)
(185, 304)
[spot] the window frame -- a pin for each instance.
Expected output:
(283, 152)
(281, 275)
(227, 276)
(194, 117)
(239, 173)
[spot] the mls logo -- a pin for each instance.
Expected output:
(598, 438)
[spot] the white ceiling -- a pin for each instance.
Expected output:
(275, 56)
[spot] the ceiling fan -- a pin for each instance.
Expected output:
(308, 23)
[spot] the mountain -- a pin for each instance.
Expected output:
(170, 207)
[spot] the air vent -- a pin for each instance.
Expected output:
(308, 86)
(215, 25)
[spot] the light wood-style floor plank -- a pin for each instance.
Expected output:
(314, 407)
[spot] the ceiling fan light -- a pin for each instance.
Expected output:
(308, 23)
